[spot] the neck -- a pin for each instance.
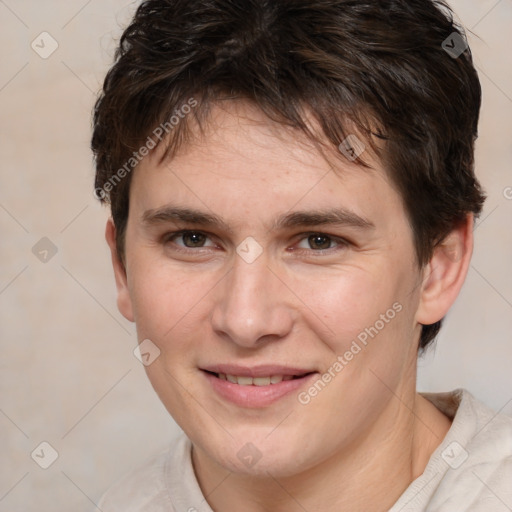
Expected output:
(371, 475)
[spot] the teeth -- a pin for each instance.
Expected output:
(256, 381)
(261, 381)
(244, 381)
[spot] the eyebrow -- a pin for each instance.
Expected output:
(308, 218)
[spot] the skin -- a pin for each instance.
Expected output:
(359, 442)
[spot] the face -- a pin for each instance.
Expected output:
(280, 333)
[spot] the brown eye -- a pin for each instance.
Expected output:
(320, 244)
(318, 241)
(189, 240)
(195, 239)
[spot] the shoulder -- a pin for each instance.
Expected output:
(478, 455)
(146, 489)
(487, 435)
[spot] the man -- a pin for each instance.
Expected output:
(293, 197)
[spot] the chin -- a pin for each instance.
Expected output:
(260, 455)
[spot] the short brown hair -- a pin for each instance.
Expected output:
(362, 63)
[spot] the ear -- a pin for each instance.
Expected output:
(124, 302)
(444, 275)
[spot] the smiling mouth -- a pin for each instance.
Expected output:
(257, 381)
(257, 386)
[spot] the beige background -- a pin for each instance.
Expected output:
(68, 375)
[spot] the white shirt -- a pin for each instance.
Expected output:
(470, 471)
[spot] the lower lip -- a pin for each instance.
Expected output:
(255, 396)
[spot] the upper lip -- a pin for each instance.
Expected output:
(265, 370)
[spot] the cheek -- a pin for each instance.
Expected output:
(345, 302)
(365, 316)
(162, 298)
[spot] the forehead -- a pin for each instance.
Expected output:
(242, 159)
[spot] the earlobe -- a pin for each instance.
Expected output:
(445, 273)
(124, 303)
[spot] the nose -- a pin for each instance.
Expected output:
(253, 305)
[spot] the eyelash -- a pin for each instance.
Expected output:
(343, 244)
